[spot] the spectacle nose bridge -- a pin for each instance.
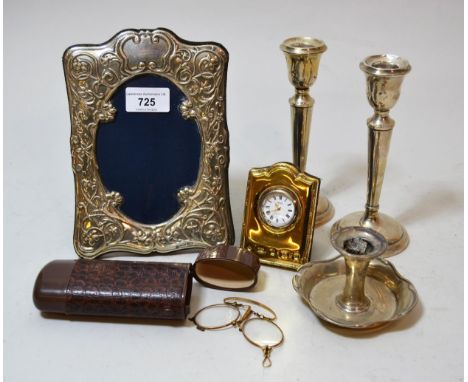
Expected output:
(248, 312)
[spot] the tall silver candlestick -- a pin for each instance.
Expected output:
(384, 76)
(303, 59)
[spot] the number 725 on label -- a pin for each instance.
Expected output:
(147, 100)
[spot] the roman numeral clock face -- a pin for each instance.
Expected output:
(277, 208)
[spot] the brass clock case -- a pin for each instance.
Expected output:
(290, 246)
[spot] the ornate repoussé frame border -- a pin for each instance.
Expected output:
(93, 73)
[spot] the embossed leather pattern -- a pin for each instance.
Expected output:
(124, 289)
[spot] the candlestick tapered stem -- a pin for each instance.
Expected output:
(380, 133)
(359, 246)
(301, 117)
(353, 298)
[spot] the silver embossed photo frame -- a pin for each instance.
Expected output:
(93, 73)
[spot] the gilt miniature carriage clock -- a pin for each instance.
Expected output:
(279, 217)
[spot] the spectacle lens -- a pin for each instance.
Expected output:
(262, 333)
(216, 316)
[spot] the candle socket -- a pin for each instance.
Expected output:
(384, 77)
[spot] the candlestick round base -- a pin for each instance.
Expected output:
(325, 211)
(395, 234)
(325, 299)
(351, 306)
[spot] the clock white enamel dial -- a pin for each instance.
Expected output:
(277, 208)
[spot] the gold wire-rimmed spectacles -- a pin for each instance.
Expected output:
(236, 312)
